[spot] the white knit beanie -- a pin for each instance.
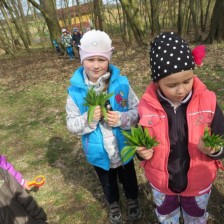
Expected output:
(95, 43)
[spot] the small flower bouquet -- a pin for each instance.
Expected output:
(93, 99)
(212, 140)
(136, 138)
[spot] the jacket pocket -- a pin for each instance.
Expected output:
(149, 121)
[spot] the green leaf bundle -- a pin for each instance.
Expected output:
(93, 99)
(212, 140)
(138, 136)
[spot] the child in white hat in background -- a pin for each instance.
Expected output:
(102, 139)
(66, 40)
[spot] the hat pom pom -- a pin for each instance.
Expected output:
(199, 54)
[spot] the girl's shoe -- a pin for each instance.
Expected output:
(115, 213)
(134, 210)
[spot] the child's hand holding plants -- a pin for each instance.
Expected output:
(96, 103)
(138, 141)
(98, 114)
(112, 118)
(210, 143)
(145, 153)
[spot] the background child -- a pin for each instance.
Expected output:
(176, 108)
(16, 205)
(66, 40)
(76, 37)
(102, 139)
(4, 164)
(56, 45)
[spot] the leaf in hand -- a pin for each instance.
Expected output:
(128, 152)
(211, 140)
(93, 99)
(91, 113)
(137, 137)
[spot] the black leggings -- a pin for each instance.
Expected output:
(127, 177)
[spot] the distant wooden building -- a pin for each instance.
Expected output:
(76, 16)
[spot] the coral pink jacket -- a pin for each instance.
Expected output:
(200, 112)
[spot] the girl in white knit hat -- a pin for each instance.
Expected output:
(102, 139)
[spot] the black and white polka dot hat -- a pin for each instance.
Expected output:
(169, 54)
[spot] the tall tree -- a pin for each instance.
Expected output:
(11, 37)
(24, 21)
(98, 16)
(155, 27)
(5, 44)
(15, 19)
(193, 10)
(48, 10)
(206, 15)
(216, 32)
(131, 9)
(180, 21)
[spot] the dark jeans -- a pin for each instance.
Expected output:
(109, 180)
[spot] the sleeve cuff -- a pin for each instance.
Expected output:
(118, 124)
(217, 153)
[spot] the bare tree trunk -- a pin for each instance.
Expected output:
(119, 16)
(216, 32)
(148, 15)
(171, 12)
(17, 26)
(79, 15)
(12, 36)
(98, 16)
(187, 17)
(4, 43)
(131, 10)
(24, 21)
(125, 36)
(155, 17)
(180, 22)
(197, 37)
(206, 15)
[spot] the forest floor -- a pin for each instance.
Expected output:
(34, 137)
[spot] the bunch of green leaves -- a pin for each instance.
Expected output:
(93, 99)
(138, 136)
(211, 140)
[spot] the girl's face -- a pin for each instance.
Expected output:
(95, 67)
(177, 86)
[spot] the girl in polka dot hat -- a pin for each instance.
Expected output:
(176, 108)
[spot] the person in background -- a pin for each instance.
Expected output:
(176, 108)
(76, 37)
(56, 46)
(16, 205)
(66, 40)
(4, 164)
(80, 33)
(102, 140)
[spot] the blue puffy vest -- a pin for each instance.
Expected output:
(92, 143)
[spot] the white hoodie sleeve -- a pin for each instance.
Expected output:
(77, 122)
